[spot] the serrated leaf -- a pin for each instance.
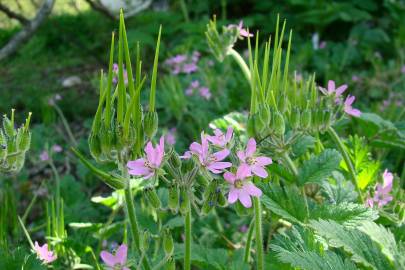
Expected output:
(337, 190)
(359, 245)
(303, 145)
(319, 168)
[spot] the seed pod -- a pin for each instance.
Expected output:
(327, 119)
(23, 140)
(278, 123)
(295, 119)
(170, 264)
(264, 117)
(173, 201)
(8, 127)
(184, 200)
(306, 119)
(153, 198)
(251, 126)
(150, 124)
(145, 240)
(208, 204)
(95, 146)
(168, 244)
(283, 104)
(175, 160)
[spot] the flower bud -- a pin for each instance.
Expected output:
(173, 201)
(145, 241)
(317, 116)
(170, 264)
(278, 123)
(306, 119)
(283, 104)
(23, 139)
(327, 119)
(175, 160)
(153, 198)
(168, 244)
(250, 127)
(264, 117)
(8, 127)
(184, 200)
(295, 119)
(150, 124)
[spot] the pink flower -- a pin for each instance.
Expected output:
(403, 69)
(322, 45)
(212, 161)
(171, 136)
(44, 254)
(196, 56)
(205, 92)
(381, 193)
(241, 189)
(117, 261)
(57, 148)
(147, 166)
(255, 164)
(355, 78)
(348, 106)
(44, 156)
(242, 31)
(190, 68)
(220, 139)
(333, 90)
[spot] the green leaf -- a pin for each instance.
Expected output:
(320, 167)
(358, 244)
(338, 190)
(299, 248)
(303, 145)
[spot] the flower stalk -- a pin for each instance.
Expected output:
(187, 243)
(258, 234)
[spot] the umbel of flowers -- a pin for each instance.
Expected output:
(14, 143)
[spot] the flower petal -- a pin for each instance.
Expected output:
(136, 163)
(150, 153)
(259, 171)
(108, 258)
(331, 86)
(233, 195)
(139, 171)
(221, 155)
(219, 165)
(121, 254)
(241, 155)
(229, 177)
(263, 161)
(243, 171)
(339, 91)
(252, 190)
(251, 147)
(244, 198)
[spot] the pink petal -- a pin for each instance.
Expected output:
(388, 178)
(259, 171)
(136, 163)
(186, 155)
(219, 165)
(139, 171)
(252, 190)
(121, 254)
(229, 133)
(241, 156)
(251, 147)
(331, 86)
(149, 175)
(150, 153)
(243, 171)
(229, 177)
(244, 198)
(108, 258)
(233, 195)
(196, 148)
(263, 161)
(339, 91)
(221, 154)
(349, 100)
(352, 111)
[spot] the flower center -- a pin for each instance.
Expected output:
(250, 160)
(238, 184)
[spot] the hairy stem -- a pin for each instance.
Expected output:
(249, 242)
(290, 164)
(132, 215)
(187, 244)
(335, 137)
(242, 64)
(259, 234)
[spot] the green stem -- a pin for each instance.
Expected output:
(242, 64)
(57, 181)
(187, 244)
(335, 137)
(132, 215)
(290, 164)
(249, 242)
(259, 234)
(66, 125)
(184, 9)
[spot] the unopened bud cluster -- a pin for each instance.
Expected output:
(14, 143)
